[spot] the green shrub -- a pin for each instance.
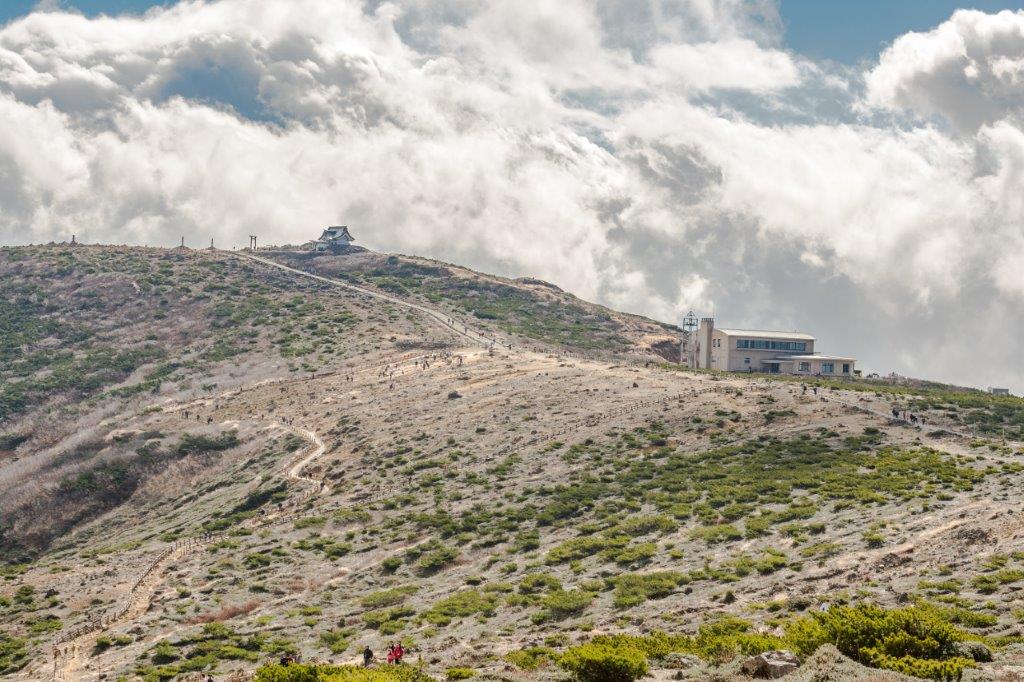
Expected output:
(434, 561)
(335, 640)
(388, 620)
(339, 673)
(916, 640)
(642, 552)
(562, 604)
(582, 547)
(632, 589)
(459, 673)
(13, 653)
(539, 582)
(395, 595)
(461, 605)
(597, 662)
(715, 534)
(531, 658)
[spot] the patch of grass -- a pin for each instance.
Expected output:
(462, 604)
(633, 589)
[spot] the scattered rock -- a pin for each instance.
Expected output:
(892, 560)
(971, 536)
(771, 664)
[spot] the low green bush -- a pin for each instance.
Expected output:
(13, 654)
(920, 641)
(600, 662)
(539, 582)
(531, 658)
(915, 641)
(632, 589)
(339, 673)
(562, 604)
(391, 597)
(461, 605)
(434, 561)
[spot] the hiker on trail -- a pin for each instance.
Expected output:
(367, 656)
(803, 388)
(815, 390)
(399, 652)
(895, 413)
(391, 654)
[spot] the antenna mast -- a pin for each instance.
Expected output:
(687, 351)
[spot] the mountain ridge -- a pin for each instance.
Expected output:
(342, 469)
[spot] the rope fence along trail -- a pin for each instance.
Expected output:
(437, 316)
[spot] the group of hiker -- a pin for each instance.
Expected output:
(395, 653)
(906, 415)
(185, 415)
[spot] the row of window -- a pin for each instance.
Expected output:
(826, 367)
(761, 344)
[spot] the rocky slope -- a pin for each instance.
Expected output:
(209, 461)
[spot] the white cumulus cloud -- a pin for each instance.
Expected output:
(653, 156)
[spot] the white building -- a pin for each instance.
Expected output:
(772, 352)
(333, 237)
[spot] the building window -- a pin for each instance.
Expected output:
(762, 344)
(828, 368)
(746, 361)
(846, 368)
(805, 367)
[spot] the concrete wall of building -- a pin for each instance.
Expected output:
(705, 335)
(735, 359)
(738, 358)
(814, 367)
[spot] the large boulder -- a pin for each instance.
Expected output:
(771, 664)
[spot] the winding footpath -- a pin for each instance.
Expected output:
(71, 650)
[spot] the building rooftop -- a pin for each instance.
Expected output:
(830, 358)
(765, 334)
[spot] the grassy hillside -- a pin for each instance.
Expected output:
(527, 308)
(269, 465)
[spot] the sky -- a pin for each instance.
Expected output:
(853, 170)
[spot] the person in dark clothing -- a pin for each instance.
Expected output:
(367, 657)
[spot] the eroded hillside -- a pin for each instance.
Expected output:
(282, 465)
